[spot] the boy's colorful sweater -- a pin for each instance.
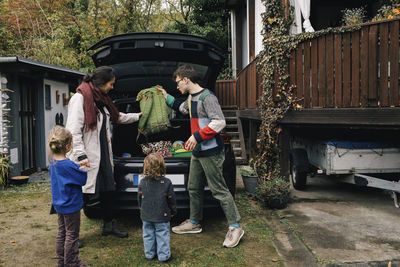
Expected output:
(207, 121)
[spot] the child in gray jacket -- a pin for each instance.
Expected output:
(157, 205)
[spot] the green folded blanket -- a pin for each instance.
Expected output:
(155, 112)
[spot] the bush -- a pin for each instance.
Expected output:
(353, 16)
(5, 168)
(275, 192)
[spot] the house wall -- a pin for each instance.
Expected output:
(59, 107)
(243, 38)
(15, 129)
(259, 9)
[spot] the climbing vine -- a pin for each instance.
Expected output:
(277, 93)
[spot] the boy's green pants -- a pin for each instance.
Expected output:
(210, 169)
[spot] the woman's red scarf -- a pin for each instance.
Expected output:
(92, 95)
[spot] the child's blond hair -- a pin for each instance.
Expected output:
(154, 165)
(59, 139)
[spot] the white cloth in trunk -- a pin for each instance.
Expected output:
(301, 7)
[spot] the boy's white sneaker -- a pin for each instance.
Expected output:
(233, 237)
(187, 227)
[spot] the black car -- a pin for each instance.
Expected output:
(142, 60)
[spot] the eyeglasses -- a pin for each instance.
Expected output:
(178, 81)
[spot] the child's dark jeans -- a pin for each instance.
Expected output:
(67, 239)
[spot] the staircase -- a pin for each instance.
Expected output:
(233, 130)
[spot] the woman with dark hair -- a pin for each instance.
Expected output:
(89, 113)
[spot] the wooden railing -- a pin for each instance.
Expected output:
(357, 69)
(248, 86)
(243, 92)
(225, 90)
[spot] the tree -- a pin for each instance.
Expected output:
(206, 18)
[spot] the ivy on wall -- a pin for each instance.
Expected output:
(277, 93)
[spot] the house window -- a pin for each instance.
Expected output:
(47, 96)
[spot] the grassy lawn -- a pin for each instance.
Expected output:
(27, 236)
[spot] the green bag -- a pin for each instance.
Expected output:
(155, 112)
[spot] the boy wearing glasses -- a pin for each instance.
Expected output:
(207, 121)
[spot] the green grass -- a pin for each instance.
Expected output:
(205, 249)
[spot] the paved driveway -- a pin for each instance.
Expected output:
(344, 223)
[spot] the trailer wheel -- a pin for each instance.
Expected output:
(298, 168)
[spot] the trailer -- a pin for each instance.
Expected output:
(364, 163)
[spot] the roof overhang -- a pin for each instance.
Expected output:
(40, 66)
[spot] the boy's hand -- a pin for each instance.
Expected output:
(163, 92)
(190, 143)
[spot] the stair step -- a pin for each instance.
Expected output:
(240, 161)
(231, 126)
(235, 141)
(231, 118)
(237, 149)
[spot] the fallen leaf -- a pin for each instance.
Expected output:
(13, 243)
(283, 232)
(274, 260)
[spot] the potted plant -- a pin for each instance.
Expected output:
(5, 168)
(250, 179)
(274, 192)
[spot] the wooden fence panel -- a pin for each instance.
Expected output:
(225, 90)
(346, 69)
(321, 72)
(307, 74)
(299, 71)
(338, 69)
(383, 64)
(329, 71)
(314, 73)
(394, 63)
(372, 68)
(364, 68)
(355, 69)
(252, 96)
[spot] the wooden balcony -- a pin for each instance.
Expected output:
(349, 70)
(340, 72)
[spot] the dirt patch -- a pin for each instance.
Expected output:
(27, 236)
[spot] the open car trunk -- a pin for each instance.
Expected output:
(125, 136)
(140, 61)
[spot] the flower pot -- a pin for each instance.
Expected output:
(250, 184)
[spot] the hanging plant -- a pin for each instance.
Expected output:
(277, 93)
